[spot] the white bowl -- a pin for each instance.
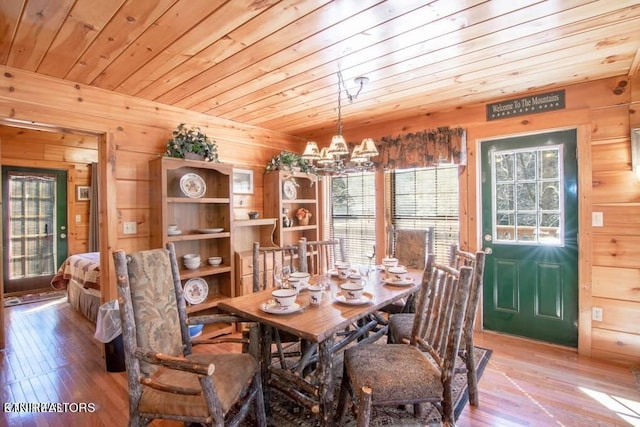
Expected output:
(284, 297)
(192, 265)
(195, 257)
(173, 227)
(215, 260)
(352, 290)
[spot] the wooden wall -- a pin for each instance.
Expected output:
(56, 150)
(132, 131)
(609, 256)
(129, 132)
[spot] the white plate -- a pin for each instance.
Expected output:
(289, 190)
(174, 232)
(209, 230)
(406, 282)
(195, 290)
(192, 185)
(273, 308)
(366, 298)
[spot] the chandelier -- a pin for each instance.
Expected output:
(332, 160)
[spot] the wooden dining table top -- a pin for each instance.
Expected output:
(317, 322)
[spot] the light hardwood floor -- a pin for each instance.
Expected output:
(51, 356)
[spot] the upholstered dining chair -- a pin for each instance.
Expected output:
(418, 373)
(411, 247)
(166, 379)
(400, 325)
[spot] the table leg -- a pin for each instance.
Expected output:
(326, 388)
(265, 350)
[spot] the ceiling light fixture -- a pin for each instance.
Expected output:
(331, 160)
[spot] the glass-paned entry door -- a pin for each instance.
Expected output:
(33, 244)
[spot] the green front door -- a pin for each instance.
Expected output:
(529, 228)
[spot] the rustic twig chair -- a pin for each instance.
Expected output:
(421, 372)
(400, 325)
(269, 261)
(165, 379)
(318, 257)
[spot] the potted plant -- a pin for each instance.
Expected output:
(303, 216)
(192, 143)
(288, 161)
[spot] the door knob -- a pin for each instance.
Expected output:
(63, 236)
(488, 251)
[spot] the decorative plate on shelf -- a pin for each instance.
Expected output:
(196, 290)
(209, 230)
(192, 185)
(289, 190)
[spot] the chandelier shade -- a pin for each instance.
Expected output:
(330, 160)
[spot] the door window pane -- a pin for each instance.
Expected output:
(536, 203)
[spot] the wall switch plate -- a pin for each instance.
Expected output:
(78, 219)
(597, 219)
(596, 314)
(130, 228)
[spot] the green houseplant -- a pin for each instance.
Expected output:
(289, 162)
(192, 143)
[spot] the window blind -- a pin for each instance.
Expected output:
(426, 197)
(353, 215)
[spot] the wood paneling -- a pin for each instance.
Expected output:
(43, 149)
(273, 63)
(617, 283)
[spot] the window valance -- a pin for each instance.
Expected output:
(422, 149)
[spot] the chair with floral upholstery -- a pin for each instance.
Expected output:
(166, 379)
(418, 373)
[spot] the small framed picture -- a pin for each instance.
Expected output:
(243, 181)
(83, 193)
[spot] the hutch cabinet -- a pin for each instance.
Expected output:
(196, 197)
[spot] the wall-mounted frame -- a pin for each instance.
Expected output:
(83, 193)
(243, 181)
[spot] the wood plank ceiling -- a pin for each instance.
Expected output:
(274, 63)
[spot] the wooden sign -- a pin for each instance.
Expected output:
(534, 104)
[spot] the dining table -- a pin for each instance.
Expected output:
(326, 328)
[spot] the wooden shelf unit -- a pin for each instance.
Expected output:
(194, 216)
(306, 197)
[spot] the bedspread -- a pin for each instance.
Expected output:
(83, 268)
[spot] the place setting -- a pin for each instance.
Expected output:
(398, 276)
(352, 292)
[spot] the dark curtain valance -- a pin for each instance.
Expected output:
(422, 149)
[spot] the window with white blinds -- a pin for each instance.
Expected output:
(415, 198)
(353, 216)
(426, 197)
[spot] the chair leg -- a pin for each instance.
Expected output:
(364, 407)
(261, 414)
(472, 377)
(343, 399)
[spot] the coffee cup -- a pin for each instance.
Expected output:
(389, 262)
(352, 290)
(302, 277)
(315, 294)
(295, 283)
(284, 297)
(397, 274)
